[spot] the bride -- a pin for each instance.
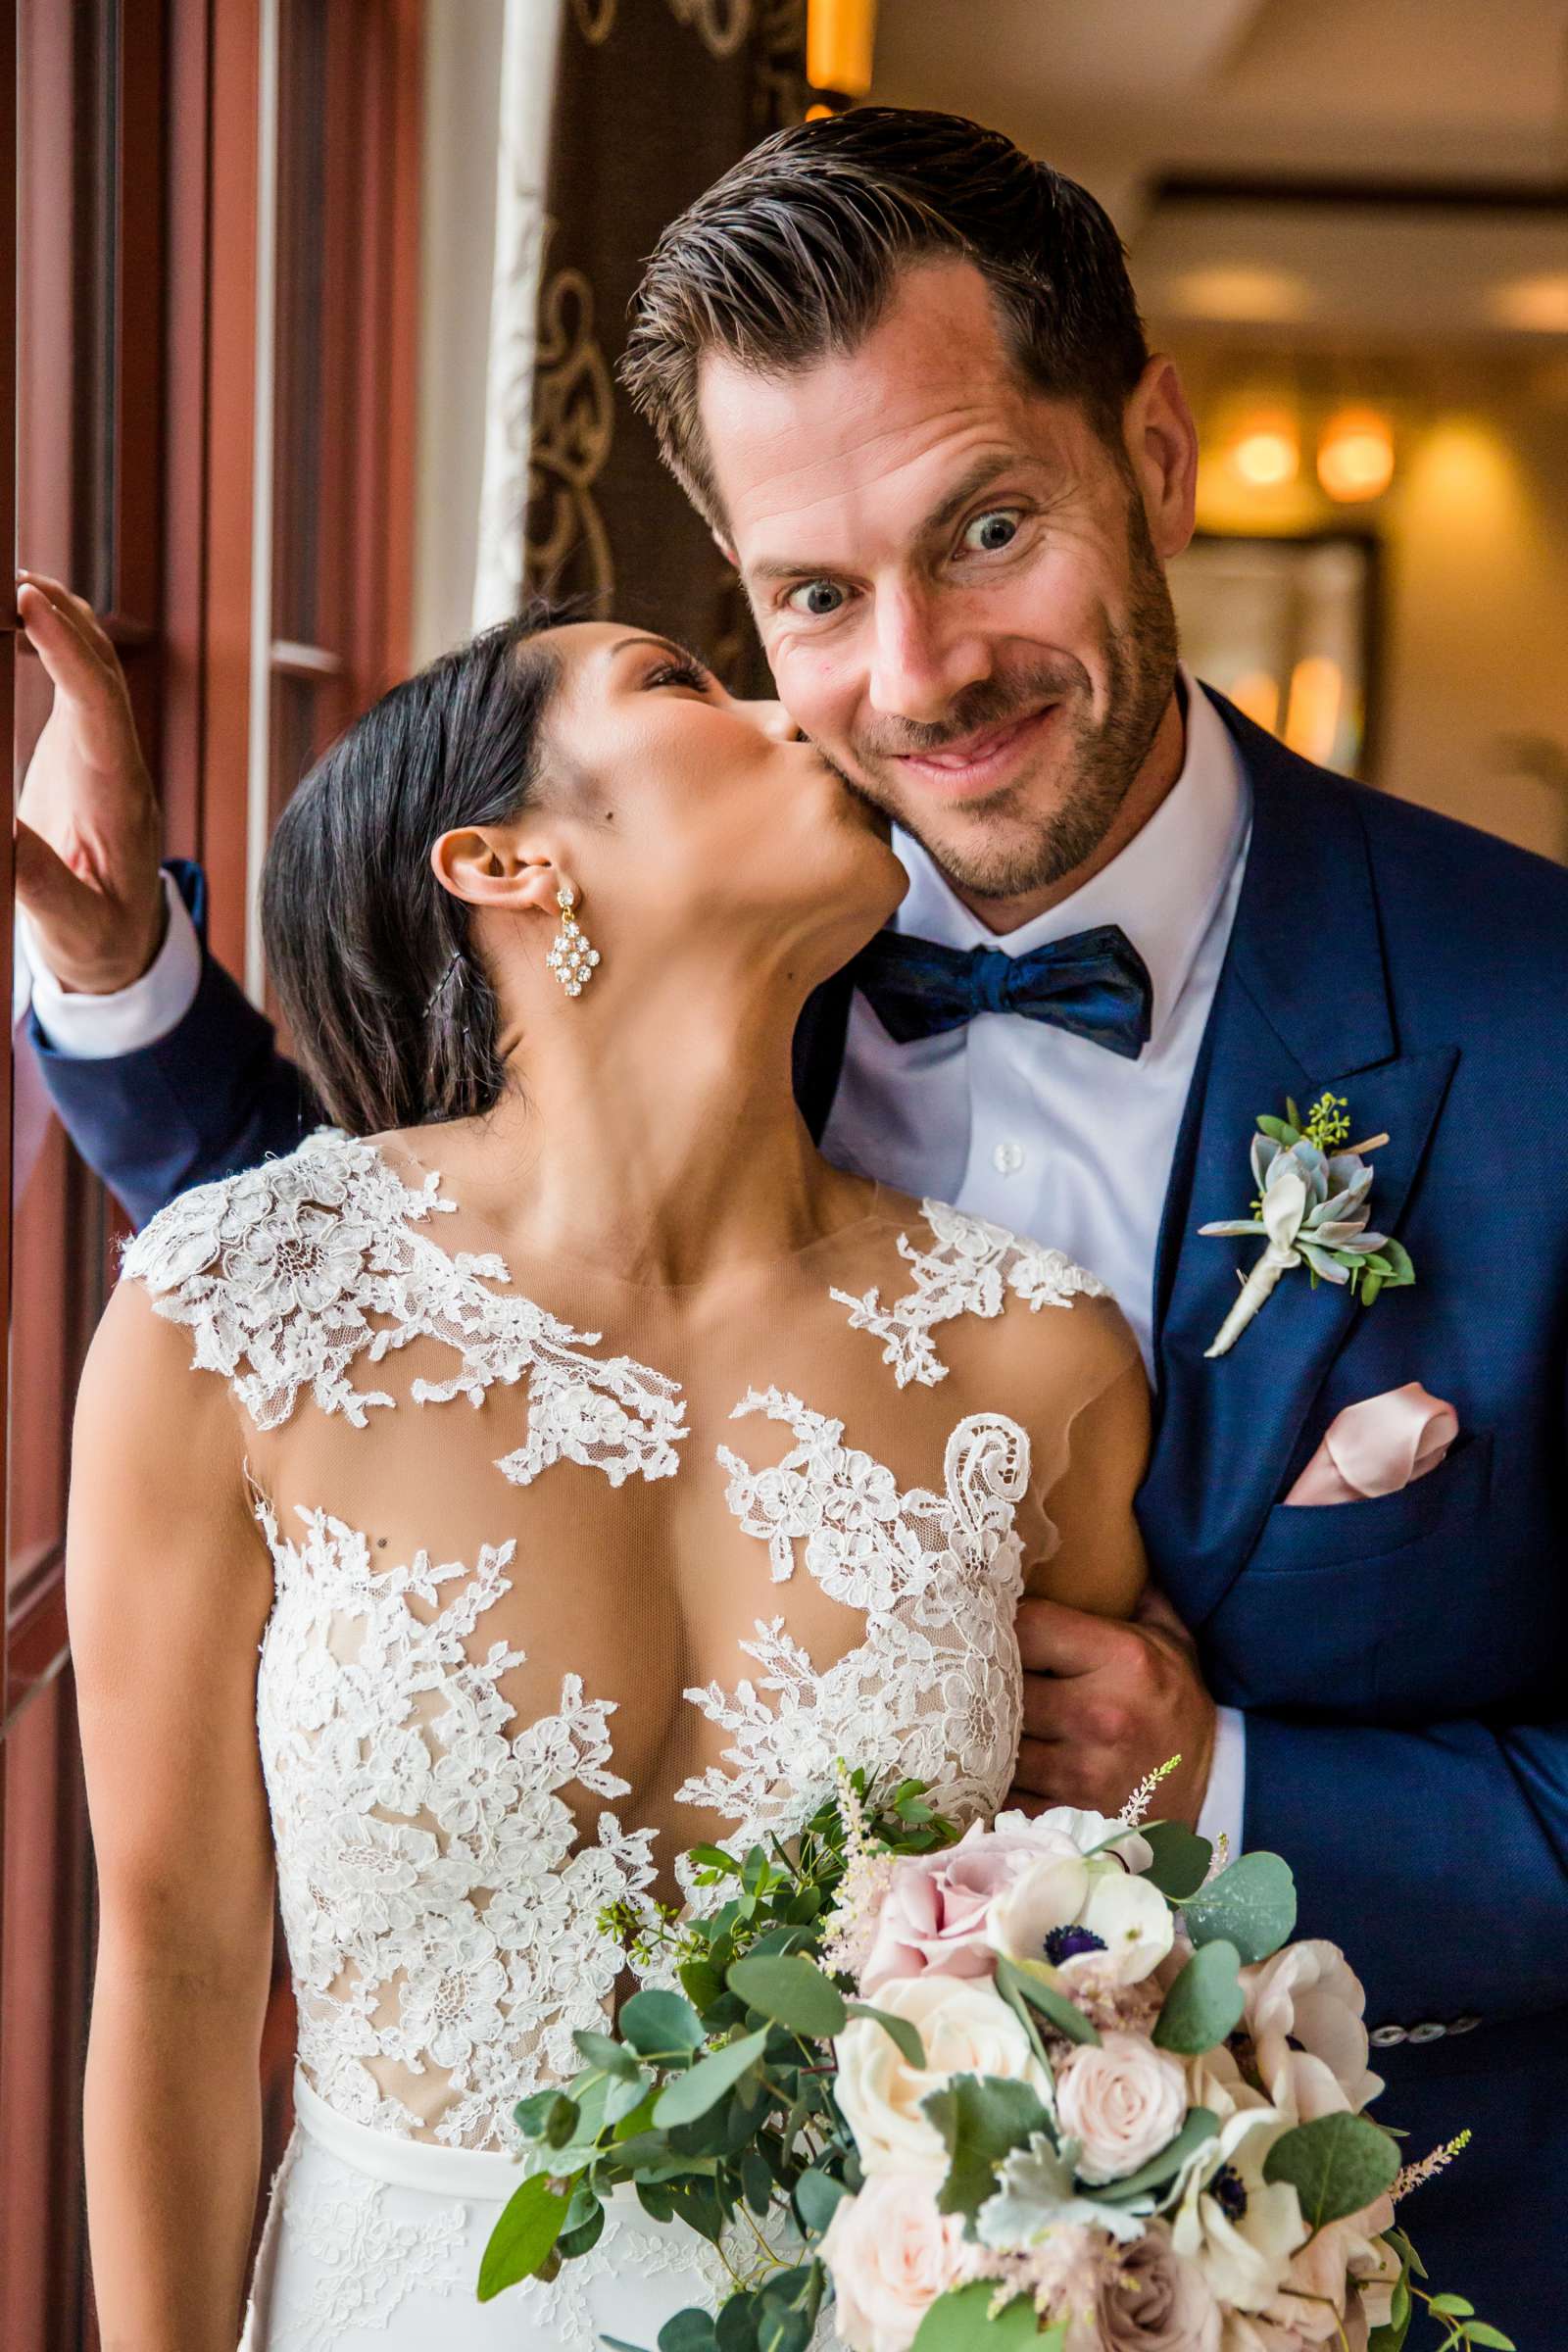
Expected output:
(554, 1464)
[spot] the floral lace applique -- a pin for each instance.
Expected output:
(368, 2264)
(969, 1272)
(933, 1689)
(438, 1916)
(289, 1272)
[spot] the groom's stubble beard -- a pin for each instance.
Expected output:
(1005, 848)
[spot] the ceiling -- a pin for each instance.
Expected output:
(1460, 98)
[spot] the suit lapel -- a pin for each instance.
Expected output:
(1303, 1006)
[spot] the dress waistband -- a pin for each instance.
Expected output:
(488, 2175)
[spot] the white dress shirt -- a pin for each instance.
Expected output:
(1050, 1135)
(1046, 1133)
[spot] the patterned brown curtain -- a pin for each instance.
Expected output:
(653, 100)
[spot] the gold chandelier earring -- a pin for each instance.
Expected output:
(572, 958)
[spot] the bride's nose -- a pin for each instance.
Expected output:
(774, 720)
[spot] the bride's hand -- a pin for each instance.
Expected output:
(88, 828)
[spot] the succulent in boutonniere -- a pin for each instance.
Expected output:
(1313, 1210)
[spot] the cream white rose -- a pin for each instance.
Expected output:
(1240, 2230)
(1305, 2011)
(1122, 2101)
(965, 2028)
(1065, 1910)
(890, 2254)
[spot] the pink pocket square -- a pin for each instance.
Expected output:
(1378, 1446)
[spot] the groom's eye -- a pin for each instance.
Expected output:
(991, 532)
(817, 598)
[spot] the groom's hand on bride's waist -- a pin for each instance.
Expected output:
(1105, 1703)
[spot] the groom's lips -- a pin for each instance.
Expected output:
(977, 764)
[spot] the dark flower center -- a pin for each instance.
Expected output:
(1229, 2192)
(1068, 1943)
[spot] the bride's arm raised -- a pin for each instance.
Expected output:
(168, 1586)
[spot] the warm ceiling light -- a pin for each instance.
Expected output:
(840, 36)
(1356, 454)
(1264, 452)
(1539, 305)
(1236, 292)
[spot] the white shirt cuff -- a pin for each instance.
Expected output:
(87, 1028)
(1226, 1801)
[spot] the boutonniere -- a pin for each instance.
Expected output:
(1313, 1210)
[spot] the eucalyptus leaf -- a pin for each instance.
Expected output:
(524, 2238)
(1335, 2164)
(757, 2180)
(1181, 1859)
(1199, 2126)
(899, 2031)
(692, 2094)
(661, 2026)
(1204, 2005)
(584, 2235)
(793, 1991)
(623, 2097)
(1053, 2006)
(962, 2323)
(701, 1982)
(982, 2118)
(687, 2331)
(1252, 1905)
(612, 2057)
(735, 2328)
(818, 2196)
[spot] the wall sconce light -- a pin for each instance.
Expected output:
(840, 38)
(1265, 453)
(1356, 454)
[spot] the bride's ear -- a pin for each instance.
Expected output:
(487, 866)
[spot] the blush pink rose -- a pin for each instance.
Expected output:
(1122, 2100)
(935, 1912)
(890, 2254)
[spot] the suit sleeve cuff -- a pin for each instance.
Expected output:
(1226, 1801)
(85, 1028)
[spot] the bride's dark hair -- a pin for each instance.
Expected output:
(390, 1007)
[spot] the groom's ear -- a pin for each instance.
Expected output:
(1162, 450)
(487, 866)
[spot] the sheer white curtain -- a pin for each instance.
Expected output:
(529, 50)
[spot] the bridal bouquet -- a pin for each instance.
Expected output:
(1060, 2084)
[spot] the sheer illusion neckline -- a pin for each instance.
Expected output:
(593, 1270)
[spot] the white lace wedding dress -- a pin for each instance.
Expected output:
(569, 1574)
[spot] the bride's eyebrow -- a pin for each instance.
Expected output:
(666, 645)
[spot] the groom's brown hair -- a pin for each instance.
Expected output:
(794, 253)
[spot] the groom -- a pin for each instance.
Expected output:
(900, 369)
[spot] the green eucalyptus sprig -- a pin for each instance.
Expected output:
(713, 2101)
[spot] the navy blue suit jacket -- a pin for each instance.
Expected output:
(1400, 1661)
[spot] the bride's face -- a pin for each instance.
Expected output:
(677, 803)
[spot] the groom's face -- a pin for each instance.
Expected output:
(958, 584)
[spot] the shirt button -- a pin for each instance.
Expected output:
(1007, 1159)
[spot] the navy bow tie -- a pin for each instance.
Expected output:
(1094, 984)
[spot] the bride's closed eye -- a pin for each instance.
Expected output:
(680, 673)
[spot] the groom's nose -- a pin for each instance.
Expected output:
(920, 664)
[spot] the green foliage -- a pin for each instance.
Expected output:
(793, 1991)
(525, 2238)
(1016, 1983)
(1335, 2165)
(1162, 2171)
(1252, 1905)
(1204, 2005)
(898, 2029)
(981, 2117)
(960, 2322)
(1181, 1859)
(693, 2094)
